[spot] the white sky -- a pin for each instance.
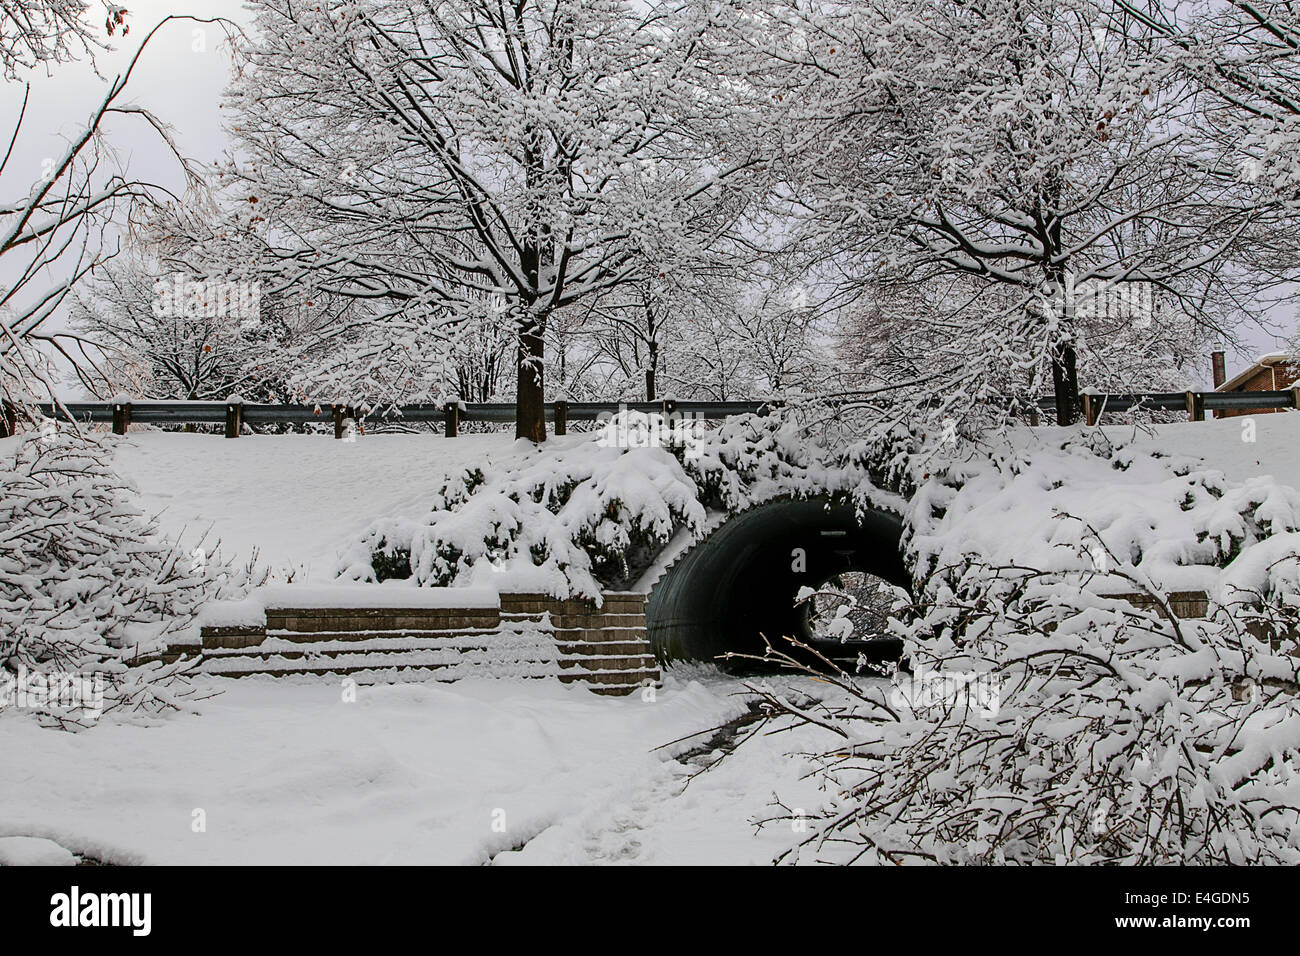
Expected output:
(180, 85)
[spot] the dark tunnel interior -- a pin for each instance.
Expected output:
(740, 583)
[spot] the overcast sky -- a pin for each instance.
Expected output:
(179, 83)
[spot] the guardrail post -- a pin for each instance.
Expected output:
(1091, 408)
(121, 417)
(561, 418)
(234, 416)
(1195, 407)
(451, 419)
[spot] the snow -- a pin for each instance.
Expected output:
(1053, 504)
(299, 501)
(294, 500)
(1274, 453)
(567, 518)
(389, 594)
(33, 851)
(288, 773)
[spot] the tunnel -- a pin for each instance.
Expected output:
(739, 584)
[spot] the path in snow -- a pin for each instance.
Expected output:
(415, 773)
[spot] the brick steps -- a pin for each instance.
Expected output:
(530, 636)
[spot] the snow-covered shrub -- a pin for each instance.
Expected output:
(88, 583)
(573, 516)
(1067, 728)
(1053, 707)
(750, 458)
(1168, 521)
(593, 511)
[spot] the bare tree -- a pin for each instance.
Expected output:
(63, 225)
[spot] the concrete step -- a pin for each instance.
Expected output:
(606, 648)
(396, 667)
(628, 681)
(597, 663)
(470, 661)
(388, 675)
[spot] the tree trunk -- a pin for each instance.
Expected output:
(1065, 384)
(1065, 374)
(652, 355)
(530, 391)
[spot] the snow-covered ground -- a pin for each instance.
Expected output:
(466, 773)
(294, 498)
(1241, 448)
(526, 772)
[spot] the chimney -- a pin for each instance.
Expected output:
(1216, 363)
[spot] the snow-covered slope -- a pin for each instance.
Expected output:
(297, 499)
(1272, 448)
(300, 499)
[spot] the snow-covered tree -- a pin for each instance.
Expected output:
(181, 314)
(57, 226)
(1022, 145)
(425, 156)
(45, 32)
(89, 586)
(898, 338)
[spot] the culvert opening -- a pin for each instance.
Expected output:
(741, 583)
(852, 607)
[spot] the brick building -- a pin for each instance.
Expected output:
(1267, 373)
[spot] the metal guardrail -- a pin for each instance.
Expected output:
(234, 415)
(1195, 404)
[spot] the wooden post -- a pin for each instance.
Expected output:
(340, 416)
(234, 416)
(451, 419)
(121, 417)
(561, 418)
(1033, 416)
(669, 408)
(1195, 407)
(1091, 408)
(1295, 396)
